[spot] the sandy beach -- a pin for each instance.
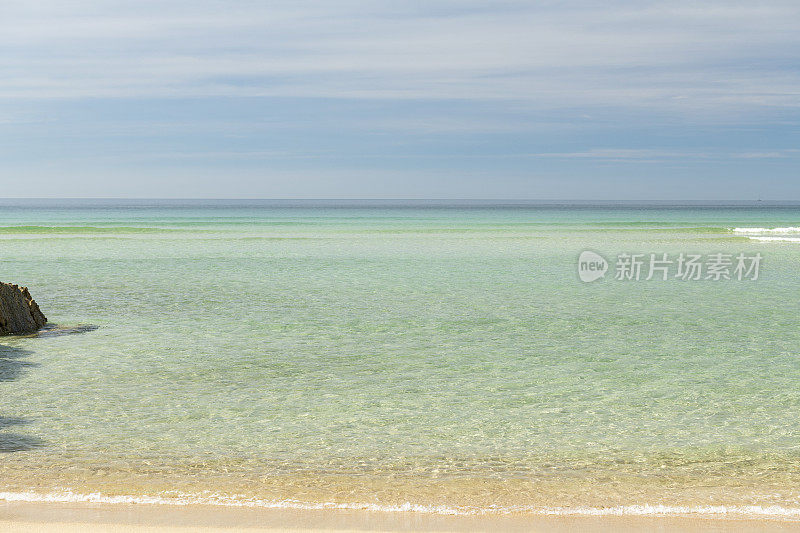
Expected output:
(68, 518)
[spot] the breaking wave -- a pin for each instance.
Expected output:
(767, 231)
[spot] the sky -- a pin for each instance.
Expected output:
(504, 99)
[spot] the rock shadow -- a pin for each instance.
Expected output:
(54, 330)
(14, 442)
(11, 366)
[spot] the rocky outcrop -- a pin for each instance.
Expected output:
(18, 311)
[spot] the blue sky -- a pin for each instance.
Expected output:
(436, 99)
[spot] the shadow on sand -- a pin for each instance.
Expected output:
(14, 442)
(11, 367)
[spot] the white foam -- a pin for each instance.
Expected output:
(226, 501)
(762, 231)
(178, 499)
(776, 239)
(670, 510)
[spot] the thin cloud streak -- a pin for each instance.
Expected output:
(659, 156)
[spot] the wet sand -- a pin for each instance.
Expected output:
(26, 517)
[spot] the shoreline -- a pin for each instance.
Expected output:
(178, 502)
(153, 518)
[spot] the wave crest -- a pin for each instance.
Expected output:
(767, 231)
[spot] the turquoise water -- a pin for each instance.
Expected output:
(443, 355)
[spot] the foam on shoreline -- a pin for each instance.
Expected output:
(642, 510)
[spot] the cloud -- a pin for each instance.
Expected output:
(769, 154)
(625, 154)
(680, 55)
(659, 156)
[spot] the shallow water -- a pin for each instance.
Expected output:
(442, 355)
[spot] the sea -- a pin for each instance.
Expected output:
(446, 357)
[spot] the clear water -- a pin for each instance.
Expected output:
(442, 355)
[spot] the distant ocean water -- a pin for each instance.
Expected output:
(429, 356)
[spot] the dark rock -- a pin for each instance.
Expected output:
(18, 311)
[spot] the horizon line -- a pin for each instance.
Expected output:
(488, 201)
(399, 198)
